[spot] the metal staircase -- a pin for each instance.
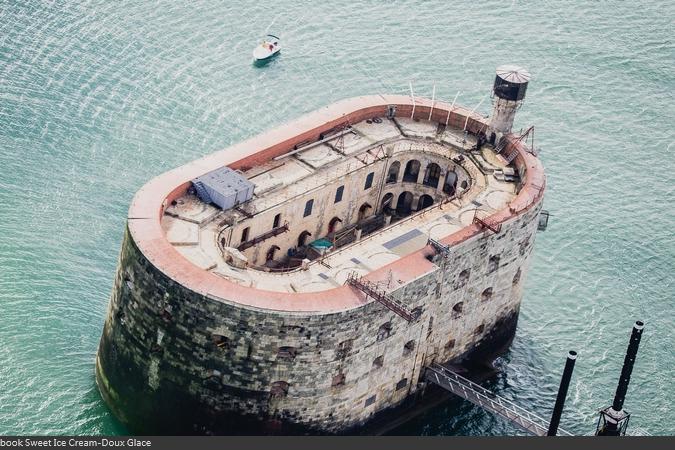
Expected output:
(370, 289)
(201, 191)
(488, 400)
(495, 228)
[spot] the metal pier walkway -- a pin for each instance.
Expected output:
(489, 401)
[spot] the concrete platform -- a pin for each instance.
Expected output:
(189, 208)
(418, 128)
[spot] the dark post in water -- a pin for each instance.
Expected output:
(613, 420)
(562, 393)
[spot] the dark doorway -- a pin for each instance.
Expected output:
(432, 175)
(404, 204)
(450, 184)
(425, 201)
(392, 175)
(270, 253)
(387, 201)
(333, 224)
(412, 171)
(364, 211)
(302, 239)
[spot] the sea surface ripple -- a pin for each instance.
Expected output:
(97, 97)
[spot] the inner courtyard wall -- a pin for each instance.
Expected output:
(354, 197)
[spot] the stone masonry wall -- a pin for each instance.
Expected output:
(171, 360)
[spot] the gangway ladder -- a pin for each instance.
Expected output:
(483, 223)
(440, 247)
(370, 289)
(489, 401)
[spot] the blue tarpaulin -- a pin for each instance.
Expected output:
(321, 243)
(224, 187)
(322, 246)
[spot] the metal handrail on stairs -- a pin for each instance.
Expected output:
(478, 395)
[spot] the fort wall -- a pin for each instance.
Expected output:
(327, 371)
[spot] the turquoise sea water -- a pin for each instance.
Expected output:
(98, 97)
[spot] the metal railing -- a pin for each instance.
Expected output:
(263, 237)
(488, 400)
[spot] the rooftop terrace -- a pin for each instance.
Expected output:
(195, 228)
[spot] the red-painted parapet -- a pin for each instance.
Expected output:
(149, 202)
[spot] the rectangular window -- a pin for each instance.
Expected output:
(370, 401)
(308, 207)
(338, 194)
(369, 180)
(277, 221)
(401, 384)
(244, 234)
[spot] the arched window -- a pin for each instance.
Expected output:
(487, 294)
(279, 389)
(302, 239)
(493, 263)
(364, 211)
(463, 277)
(270, 253)
(425, 201)
(338, 380)
(334, 224)
(408, 347)
(384, 331)
(220, 341)
(392, 175)
(344, 348)
(287, 353)
(432, 175)
(457, 309)
(450, 183)
(412, 171)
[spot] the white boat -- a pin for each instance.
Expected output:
(267, 49)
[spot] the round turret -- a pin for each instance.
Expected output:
(511, 82)
(509, 91)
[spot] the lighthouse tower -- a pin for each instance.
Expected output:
(508, 94)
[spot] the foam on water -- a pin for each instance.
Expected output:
(97, 97)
